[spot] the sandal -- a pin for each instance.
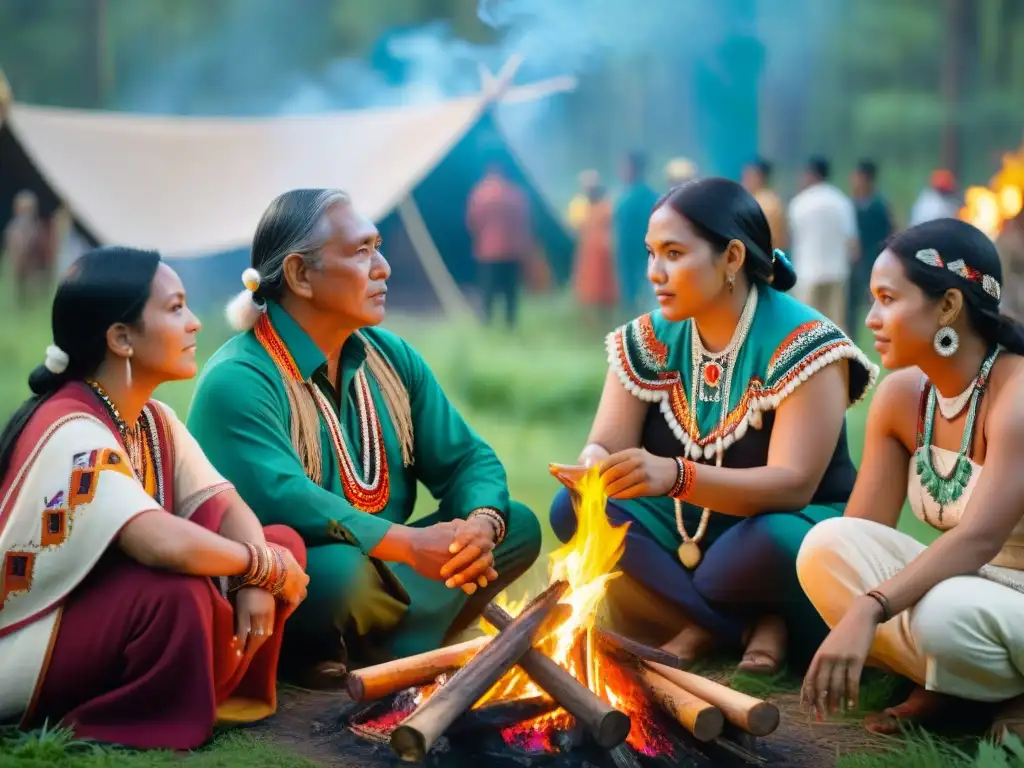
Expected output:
(766, 647)
(757, 662)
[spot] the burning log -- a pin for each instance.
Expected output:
(414, 737)
(700, 718)
(390, 677)
(621, 646)
(756, 717)
(503, 714)
(750, 714)
(607, 725)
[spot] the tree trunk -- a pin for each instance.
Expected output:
(956, 64)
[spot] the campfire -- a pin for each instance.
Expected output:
(988, 208)
(550, 681)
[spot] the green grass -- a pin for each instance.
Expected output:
(58, 747)
(920, 749)
(530, 393)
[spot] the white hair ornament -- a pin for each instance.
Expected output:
(243, 311)
(57, 360)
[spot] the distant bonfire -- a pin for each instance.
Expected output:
(989, 208)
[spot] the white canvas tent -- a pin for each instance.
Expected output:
(194, 188)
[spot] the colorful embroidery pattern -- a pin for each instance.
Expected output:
(640, 360)
(85, 474)
(57, 517)
(16, 574)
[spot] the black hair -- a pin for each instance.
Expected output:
(763, 166)
(868, 168)
(957, 241)
(720, 210)
(820, 166)
(103, 287)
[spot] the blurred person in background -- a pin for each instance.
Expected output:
(594, 279)
(939, 200)
(327, 423)
(757, 180)
(1010, 244)
(945, 435)
(631, 213)
(680, 170)
(28, 247)
(874, 226)
(579, 205)
(117, 533)
(701, 437)
(498, 219)
(823, 232)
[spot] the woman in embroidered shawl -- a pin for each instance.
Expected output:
(112, 523)
(720, 436)
(946, 433)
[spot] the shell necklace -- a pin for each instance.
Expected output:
(951, 407)
(706, 374)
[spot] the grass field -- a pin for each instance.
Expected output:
(531, 393)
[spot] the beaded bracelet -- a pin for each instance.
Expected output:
(494, 518)
(685, 474)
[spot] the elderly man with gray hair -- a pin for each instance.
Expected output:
(322, 419)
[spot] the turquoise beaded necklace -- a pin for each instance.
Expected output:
(947, 489)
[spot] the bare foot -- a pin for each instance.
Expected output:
(690, 644)
(1009, 719)
(921, 707)
(766, 648)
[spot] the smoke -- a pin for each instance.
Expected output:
(653, 73)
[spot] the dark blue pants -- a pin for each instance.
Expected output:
(748, 571)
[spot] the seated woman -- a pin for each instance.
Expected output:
(112, 523)
(327, 423)
(721, 435)
(946, 432)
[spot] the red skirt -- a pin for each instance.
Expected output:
(143, 658)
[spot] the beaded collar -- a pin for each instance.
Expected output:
(139, 440)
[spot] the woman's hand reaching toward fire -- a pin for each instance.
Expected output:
(634, 472)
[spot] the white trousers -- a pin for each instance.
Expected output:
(964, 638)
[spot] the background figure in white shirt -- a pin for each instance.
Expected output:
(823, 237)
(938, 200)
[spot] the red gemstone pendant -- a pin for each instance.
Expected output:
(712, 374)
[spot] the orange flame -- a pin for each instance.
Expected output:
(988, 208)
(588, 563)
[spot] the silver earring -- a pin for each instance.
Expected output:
(731, 282)
(946, 342)
(128, 370)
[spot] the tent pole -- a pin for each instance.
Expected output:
(453, 302)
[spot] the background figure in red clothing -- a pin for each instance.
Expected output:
(498, 219)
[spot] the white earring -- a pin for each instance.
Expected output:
(128, 370)
(946, 342)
